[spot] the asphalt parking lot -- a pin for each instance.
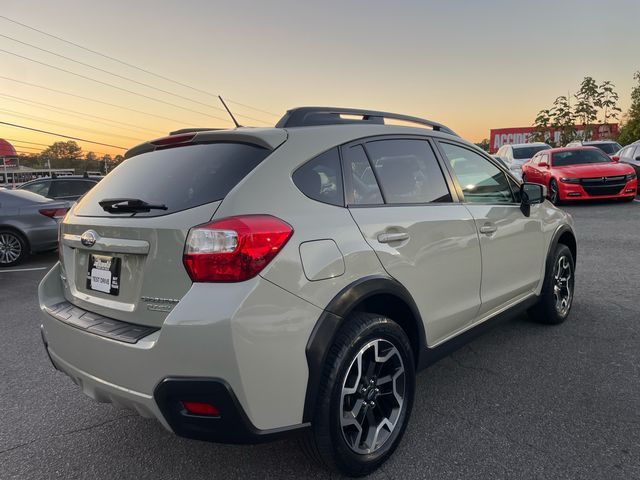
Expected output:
(521, 401)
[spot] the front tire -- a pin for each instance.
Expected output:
(554, 192)
(13, 248)
(365, 398)
(557, 293)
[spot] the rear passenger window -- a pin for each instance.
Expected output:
(408, 171)
(70, 188)
(321, 179)
(362, 186)
(41, 188)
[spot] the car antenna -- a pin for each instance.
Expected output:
(229, 112)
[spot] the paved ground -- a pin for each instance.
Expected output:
(522, 401)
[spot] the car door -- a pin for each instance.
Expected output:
(512, 244)
(40, 187)
(401, 200)
(530, 169)
(70, 189)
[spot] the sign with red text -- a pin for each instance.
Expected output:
(506, 136)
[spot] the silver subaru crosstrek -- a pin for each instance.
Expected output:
(241, 285)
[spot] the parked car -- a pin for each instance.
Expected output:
(515, 155)
(61, 188)
(607, 146)
(499, 159)
(630, 155)
(581, 173)
(241, 285)
(28, 224)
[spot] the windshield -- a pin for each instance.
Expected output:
(608, 148)
(528, 152)
(576, 157)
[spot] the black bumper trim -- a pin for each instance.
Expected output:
(97, 324)
(232, 426)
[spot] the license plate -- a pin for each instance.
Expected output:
(104, 274)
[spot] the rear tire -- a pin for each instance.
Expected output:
(557, 293)
(365, 398)
(13, 248)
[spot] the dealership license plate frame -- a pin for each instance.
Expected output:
(103, 274)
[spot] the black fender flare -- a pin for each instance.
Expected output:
(334, 316)
(555, 239)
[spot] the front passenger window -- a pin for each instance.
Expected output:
(480, 180)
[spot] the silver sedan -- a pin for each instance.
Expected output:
(28, 224)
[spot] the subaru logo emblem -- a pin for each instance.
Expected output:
(88, 238)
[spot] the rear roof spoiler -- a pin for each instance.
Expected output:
(269, 138)
(314, 116)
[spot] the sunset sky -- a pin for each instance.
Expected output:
(473, 65)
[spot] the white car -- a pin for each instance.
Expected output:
(241, 285)
(517, 154)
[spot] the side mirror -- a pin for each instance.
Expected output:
(615, 158)
(543, 164)
(531, 194)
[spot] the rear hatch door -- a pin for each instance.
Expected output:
(125, 262)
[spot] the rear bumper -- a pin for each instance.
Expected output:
(249, 337)
(232, 426)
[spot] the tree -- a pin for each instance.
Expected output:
(587, 103)
(630, 131)
(591, 100)
(484, 144)
(608, 101)
(563, 119)
(63, 154)
(542, 126)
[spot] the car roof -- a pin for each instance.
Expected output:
(575, 147)
(272, 138)
(64, 177)
(532, 144)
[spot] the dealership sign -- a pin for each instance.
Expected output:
(505, 136)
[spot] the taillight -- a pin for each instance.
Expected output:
(234, 249)
(55, 213)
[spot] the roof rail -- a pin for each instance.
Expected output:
(309, 116)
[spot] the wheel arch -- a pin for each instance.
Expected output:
(16, 230)
(374, 294)
(563, 235)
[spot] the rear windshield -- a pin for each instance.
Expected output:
(575, 157)
(180, 178)
(528, 152)
(608, 148)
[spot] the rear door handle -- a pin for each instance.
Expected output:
(393, 237)
(488, 229)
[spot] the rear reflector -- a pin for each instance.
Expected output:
(199, 408)
(55, 213)
(234, 249)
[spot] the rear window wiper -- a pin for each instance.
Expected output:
(129, 205)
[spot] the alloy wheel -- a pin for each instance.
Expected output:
(562, 288)
(373, 396)
(553, 192)
(10, 248)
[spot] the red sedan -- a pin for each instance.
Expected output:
(580, 173)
